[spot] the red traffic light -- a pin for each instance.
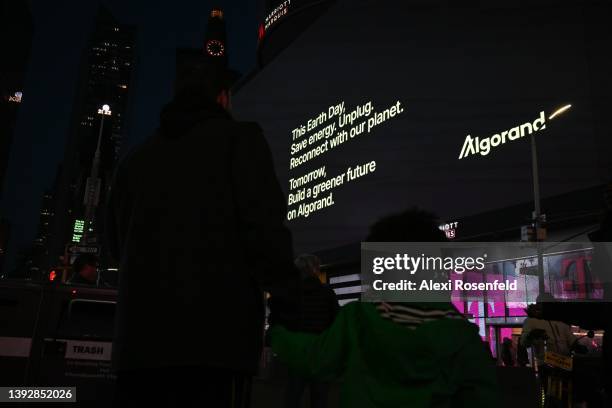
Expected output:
(52, 276)
(260, 32)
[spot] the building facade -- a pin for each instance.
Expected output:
(98, 127)
(15, 43)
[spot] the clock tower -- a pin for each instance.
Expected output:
(211, 56)
(215, 41)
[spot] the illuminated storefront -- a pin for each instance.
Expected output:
(499, 316)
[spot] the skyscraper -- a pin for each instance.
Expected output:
(105, 78)
(15, 43)
(33, 260)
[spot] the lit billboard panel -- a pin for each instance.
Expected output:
(382, 105)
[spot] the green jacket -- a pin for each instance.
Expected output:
(441, 363)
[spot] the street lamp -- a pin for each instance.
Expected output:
(537, 216)
(105, 111)
(92, 189)
(559, 111)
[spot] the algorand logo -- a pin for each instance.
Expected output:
(474, 145)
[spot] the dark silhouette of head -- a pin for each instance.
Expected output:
(203, 80)
(308, 265)
(542, 304)
(412, 225)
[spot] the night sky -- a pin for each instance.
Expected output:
(61, 31)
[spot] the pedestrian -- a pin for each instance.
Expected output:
(507, 352)
(538, 331)
(196, 223)
(389, 354)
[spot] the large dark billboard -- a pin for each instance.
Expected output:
(383, 105)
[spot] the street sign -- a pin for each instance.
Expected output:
(81, 249)
(528, 233)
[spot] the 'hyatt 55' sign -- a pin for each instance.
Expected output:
(482, 146)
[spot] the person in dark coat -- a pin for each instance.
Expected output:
(196, 223)
(507, 351)
(319, 308)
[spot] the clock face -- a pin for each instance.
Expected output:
(215, 48)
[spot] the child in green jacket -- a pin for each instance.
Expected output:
(413, 355)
